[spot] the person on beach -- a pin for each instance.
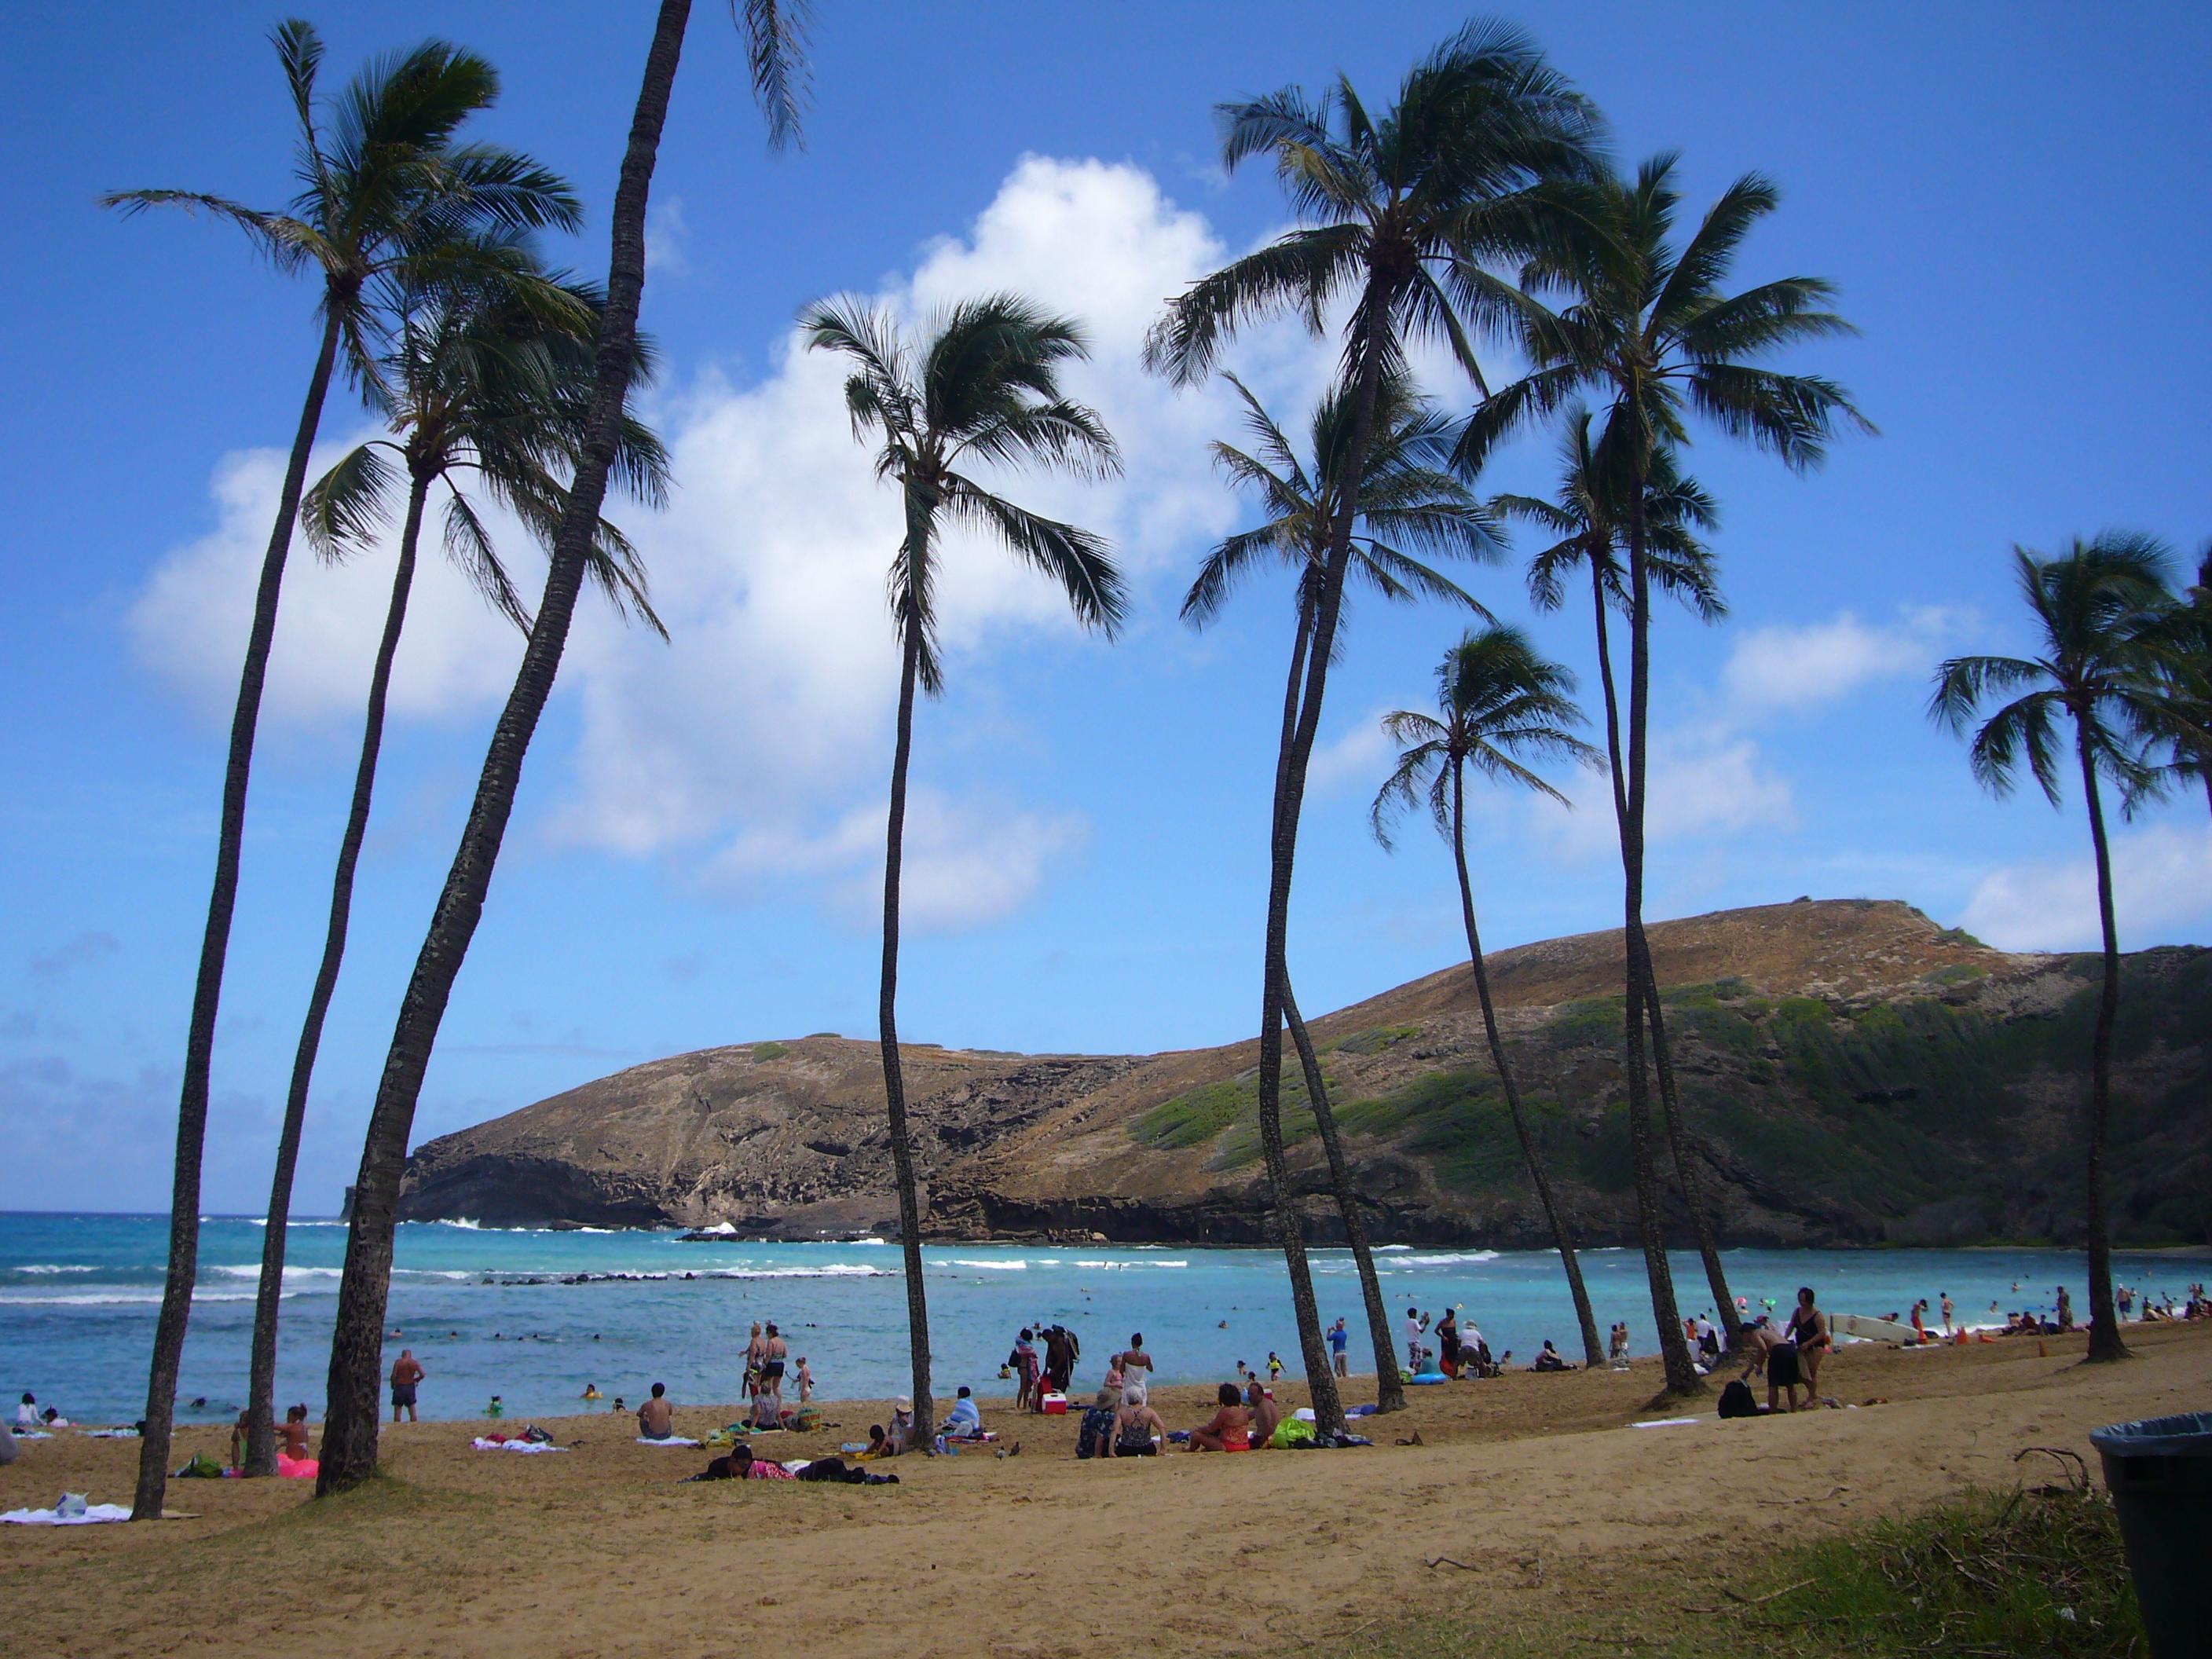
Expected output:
(1274, 1366)
(805, 1381)
(1338, 1339)
(1138, 1430)
(1709, 1338)
(1095, 1439)
(1062, 1352)
(1134, 1358)
(406, 1377)
(1266, 1415)
(756, 1351)
(901, 1432)
(1808, 1329)
(1229, 1428)
(1447, 1341)
(1549, 1360)
(774, 1350)
(27, 1412)
(1765, 1351)
(656, 1418)
(965, 1420)
(879, 1444)
(1619, 1349)
(2065, 1310)
(1416, 1329)
(1946, 1312)
(1028, 1396)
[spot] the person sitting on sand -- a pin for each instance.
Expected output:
(1619, 1353)
(805, 1381)
(1549, 1360)
(879, 1444)
(292, 1433)
(1138, 1430)
(965, 1420)
(26, 1413)
(1266, 1415)
(656, 1418)
(901, 1432)
(1095, 1437)
(615, 1409)
(1229, 1428)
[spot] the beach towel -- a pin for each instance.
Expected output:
(1664, 1423)
(32, 1434)
(481, 1444)
(71, 1511)
(109, 1434)
(672, 1440)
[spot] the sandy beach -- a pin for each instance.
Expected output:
(1539, 1484)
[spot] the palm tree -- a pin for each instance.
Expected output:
(774, 35)
(1652, 331)
(1470, 162)
(384, 195)
(488, 378)
(1591, 530)
(1498, 704)
(2185, 644)
(1408, 497)
(2097, 607)
(982, 386)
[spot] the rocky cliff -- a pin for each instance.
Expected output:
(1851, 1073)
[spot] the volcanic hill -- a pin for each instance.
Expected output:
(1850, 1072)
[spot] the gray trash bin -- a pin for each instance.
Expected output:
(2159, 1473)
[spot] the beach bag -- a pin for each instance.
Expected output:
(1736, 1400)
(1291, 1432)
(201, 1467)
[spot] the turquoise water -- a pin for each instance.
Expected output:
(486, 1310)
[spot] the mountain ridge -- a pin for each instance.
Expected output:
(1852, 1074)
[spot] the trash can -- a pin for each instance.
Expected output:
(2159, 1473)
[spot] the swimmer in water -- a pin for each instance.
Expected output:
(591, 1391)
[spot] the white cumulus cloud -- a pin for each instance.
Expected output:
(1699, 785)
(1782, 666)
(2161, 889)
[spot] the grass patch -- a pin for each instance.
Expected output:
(1371, 1042)
(1991, 1576)
(1196, 1115)
(770, 1050)
(1960, 936)
(1956, 973)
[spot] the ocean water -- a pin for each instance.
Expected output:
(487, 1311)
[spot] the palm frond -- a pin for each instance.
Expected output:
(776, 56)
(349, 506)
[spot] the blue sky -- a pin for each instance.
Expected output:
(2009, 197)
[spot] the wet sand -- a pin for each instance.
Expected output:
(1537, 1484)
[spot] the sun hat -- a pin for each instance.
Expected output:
(903, 1403)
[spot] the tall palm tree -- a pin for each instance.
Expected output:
(773, 31)
(2097, 607)
(1652, 330)
(485, 382)
(1407, 499)
(1470, 162)
(384, 195)
(1498, 705)
(2184, 727)
(1591, 531)
(982, 387)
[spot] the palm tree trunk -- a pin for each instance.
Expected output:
(1593, 1354)
(215, 945)
(1390, 1389)
(917, 1305)
(2104, 1341)
(261, 1398)
(1693, 1197)
(349, 1431)
(1290, 796)
(1674, 1349)
(1390, 1386)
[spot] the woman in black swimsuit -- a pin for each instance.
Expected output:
(1808, 1329)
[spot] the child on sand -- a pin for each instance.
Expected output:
(1274, 1366)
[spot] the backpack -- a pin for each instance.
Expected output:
(1736, 1400)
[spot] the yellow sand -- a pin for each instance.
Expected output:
(1536, 1483)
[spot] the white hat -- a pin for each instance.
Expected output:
(903, 1403)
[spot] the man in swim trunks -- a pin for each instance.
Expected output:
(656, 1418)
(1266, 1414)
(406, 1377)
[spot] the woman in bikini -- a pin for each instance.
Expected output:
(1229, 1428)
(1808, 1329)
